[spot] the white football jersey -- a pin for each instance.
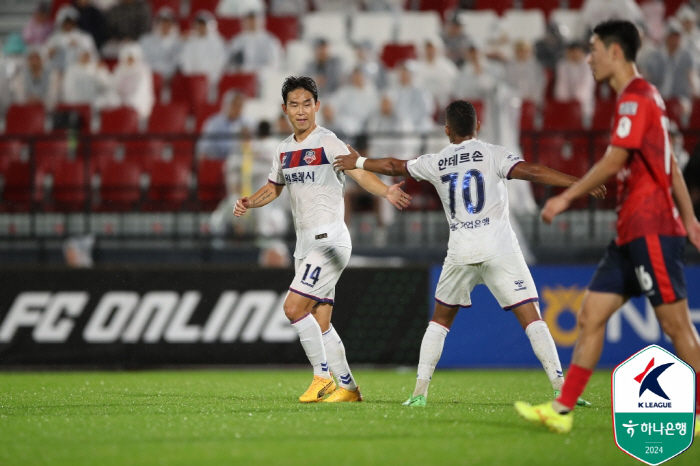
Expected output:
(470, 179)
(316, 190)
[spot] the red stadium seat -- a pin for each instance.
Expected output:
(527, 115)
(143, 153)
(191, 89)
(102, 151)
(120, 120)
(17, 189)
(567, 155)
(198, 5)
(562, 115)
(57, 4)
(392, 54)
(441, 6)
(12, 151)
(70, 185)
(286, 28)
(172, 4)
(575, 4)
(603, 115)
(229, 27)
(671, 6)
(546, 6)
(25, 119)
(674, 110)
(119, 186)
(181, 152)
(244, 82)
(158, 86)
(211, 187)
(169, 187)
(694, 122)
(168, 118)
(47, 153)
(204, 112)
(84, 111)
(499, 6)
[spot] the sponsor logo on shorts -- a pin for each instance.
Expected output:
(519, 285)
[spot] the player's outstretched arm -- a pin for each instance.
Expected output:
(388, 166)
(684, 204)
(373, 185)
(262, 196)
(610, 164)
(544, 175)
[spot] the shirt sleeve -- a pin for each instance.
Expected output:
(505, 161)
(334, 147)
(421, 169)
(276, 176)
(630, 124)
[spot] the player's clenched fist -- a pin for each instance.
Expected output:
(241, 206)
(599, 192)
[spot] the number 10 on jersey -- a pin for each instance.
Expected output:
(473, 206)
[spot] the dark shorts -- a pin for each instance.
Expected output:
(652, 265)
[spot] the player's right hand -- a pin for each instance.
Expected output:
(241, 206)
(599, 192)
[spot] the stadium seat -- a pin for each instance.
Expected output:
(562, 115)
(17, 189)
(603, 115)
(694, 122)
(418, 26)
(571, 19)
(158, 86)
(143, 153)
(169, 187)
(70, 186)
(168, 118)
(229, 27)
(392, 54)
(207, 5)
(172, 4)
(527, 115)
(674, 110)
(47, 153)
(84, 111)
(12, 151)
(191, 89)
(479, 24)
(499, 6)
(672, 6)
(442, 7)
(244, 82)
(575, 4)
(259, 110)
(546, 6)
(211, 188)
(331, 26)
(25, 119)
(57, 4)
(479, 109)
(527, 25)
(120, 120)
(378, 28)
(286, 28)
(203, 113)
(298, 54)
(567, 155)
(102, 151)
(119, 186)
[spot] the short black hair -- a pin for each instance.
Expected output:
(460, 116)
(623, 33)
(299, 82)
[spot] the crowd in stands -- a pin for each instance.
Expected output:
(382, 66)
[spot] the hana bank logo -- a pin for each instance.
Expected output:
(558, 302)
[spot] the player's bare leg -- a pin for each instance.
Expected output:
(431, 350)
(298, 309)
(675, 322)
(335, 352)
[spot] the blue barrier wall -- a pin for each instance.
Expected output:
(487, 336)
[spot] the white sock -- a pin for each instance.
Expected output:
(430, 351)
(545, 350)
(335, 351)
(310, 336)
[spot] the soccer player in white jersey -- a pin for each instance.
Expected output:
(469, 176)
(304, 163)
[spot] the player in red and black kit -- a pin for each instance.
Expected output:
(647, 255)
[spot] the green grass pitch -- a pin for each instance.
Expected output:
(252, 417)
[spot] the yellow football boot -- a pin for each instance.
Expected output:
(343, 394)
(318, 388)
(544, 414)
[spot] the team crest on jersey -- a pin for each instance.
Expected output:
(309, 156)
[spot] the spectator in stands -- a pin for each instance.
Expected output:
(105, 5)
(36, 83)
(325, 69)
(162, 46)
(88, 81)
(597, 11)
(691, 32)
(240, 8)
(255, 49)
(478, 76)
(67, 40)
(217, 141)
(670, 67)
(126, 21)
(383, 5)
(411, 100)
(573, 79)
(288, 7)
(436, 73)
(525, 74)
(550, 49)
(456, 41)
(92, 20)
(11, 64)
(390, 132)
(204, 51)
(654, 13)
(133, 80)
(374, 70)
(40, 26)
(353, 104)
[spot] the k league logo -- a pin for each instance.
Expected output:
(653, 398)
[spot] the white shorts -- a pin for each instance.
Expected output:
(507, 277)
(318, 272)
